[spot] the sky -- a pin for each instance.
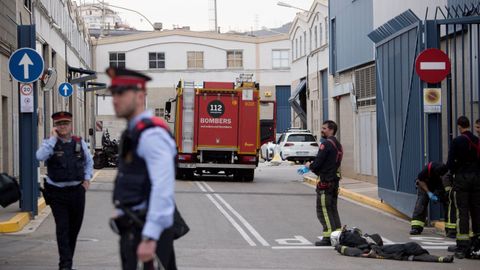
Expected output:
(237, 15)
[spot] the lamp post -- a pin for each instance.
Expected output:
(103, 4)
(283, 4)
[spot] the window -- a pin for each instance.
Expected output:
(301, 138)
(316, 37)
(117, 59)
(280, 59)
(234, 59)
(326, 28)
(304, 42)
(195, 59)
(28, 4)
(321, 35)
(310, 32)
(156, 60)
(365, 86)
(296, 48)
(159, 112)
(301, 46)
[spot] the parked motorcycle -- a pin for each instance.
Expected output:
(108, 155)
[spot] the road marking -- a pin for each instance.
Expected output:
(229, 218)
(240, 217)
(95, 176)
(303, 247)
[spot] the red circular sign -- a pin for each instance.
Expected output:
(432, 65)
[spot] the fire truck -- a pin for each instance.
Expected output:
(217, 127)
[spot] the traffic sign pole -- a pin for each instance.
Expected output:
(28, 129)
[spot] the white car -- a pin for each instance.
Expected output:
(297, 145)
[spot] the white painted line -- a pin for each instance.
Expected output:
(234, 223)
(302, 247)
(95, 176)
(387, 241)
(240, 217)
(229, 218)
(201, 187)
(331, 248)
(432, 65)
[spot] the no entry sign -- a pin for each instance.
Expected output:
(432, 65)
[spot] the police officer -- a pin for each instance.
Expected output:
(326, 166)
(433, 185)
(144, 186)
(69, 170)
(464, 164)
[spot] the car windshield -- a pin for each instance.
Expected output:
(301, 138)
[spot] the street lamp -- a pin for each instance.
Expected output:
(131, 10)
(283, 4)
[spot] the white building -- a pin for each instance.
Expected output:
(170, 56)
(309, 42)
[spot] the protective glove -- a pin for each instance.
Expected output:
(432, 196)
(303, 170)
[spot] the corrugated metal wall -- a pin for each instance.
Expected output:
(352, 24)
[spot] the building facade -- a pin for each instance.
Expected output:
(170, 56)
(62, 41)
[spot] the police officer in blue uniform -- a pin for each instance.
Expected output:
(144, 186)
(69, 170)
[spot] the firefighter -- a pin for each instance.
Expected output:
(432, 185)
(463, 162)
(144, 187)
(477, 127)
(69, 170)
(326, 166)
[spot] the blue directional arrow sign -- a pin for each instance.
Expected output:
(25, 65)
(65, 89)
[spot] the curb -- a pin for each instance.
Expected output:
(20, 220)
(363, 199)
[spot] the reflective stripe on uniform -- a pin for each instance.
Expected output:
(449, 221)
(343, 249)
(325, 216)
(417, 223)
(463, 236)
(450, 225)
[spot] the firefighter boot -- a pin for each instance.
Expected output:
(416, 230)
(451, 233)
(324, 242)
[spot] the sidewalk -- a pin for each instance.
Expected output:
(12, 219)
(367, 193)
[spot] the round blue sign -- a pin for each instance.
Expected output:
(26, 65)
(65, 89)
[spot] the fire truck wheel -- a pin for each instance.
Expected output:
(249, 175)
(185, 174)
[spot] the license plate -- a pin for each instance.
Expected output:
(302, 153)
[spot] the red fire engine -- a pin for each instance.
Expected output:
(218, 128)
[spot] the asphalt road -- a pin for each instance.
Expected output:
(267, 224)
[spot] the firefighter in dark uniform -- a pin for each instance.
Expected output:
(69, 171)
(433, 185)
(144, 186)
(326, 166)
(463, 162)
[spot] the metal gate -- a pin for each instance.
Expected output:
(408, 138)
(399, 114)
